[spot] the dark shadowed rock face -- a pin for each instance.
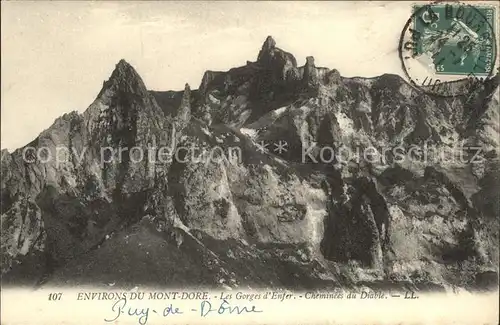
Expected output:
(226, 211)
(280, 63)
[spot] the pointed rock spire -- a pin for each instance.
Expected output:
(310, 76)
(186, 96)
(267, 49)
(269, 43)
(184, 112)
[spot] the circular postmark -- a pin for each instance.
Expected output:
(449, 49)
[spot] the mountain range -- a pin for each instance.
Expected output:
(289, 211)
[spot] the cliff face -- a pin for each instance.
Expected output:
(259, 175)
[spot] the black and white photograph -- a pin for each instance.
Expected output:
(240, 157)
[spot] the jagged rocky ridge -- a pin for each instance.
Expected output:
(297, 218)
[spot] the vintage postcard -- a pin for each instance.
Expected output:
(217, 162)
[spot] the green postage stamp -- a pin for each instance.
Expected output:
(458, 39)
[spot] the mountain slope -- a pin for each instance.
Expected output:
(258, 176)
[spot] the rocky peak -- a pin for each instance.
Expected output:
(267, 48)
(184, 112)
(124, 69)
(123, 92)
(208, 78)
(124, 115)
(310, 62)
(187, 89)
(276, 60)
(310, 76)
(126, 79)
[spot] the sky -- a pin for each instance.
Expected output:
(56, 55)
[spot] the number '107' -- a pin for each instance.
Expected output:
(55, 296)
